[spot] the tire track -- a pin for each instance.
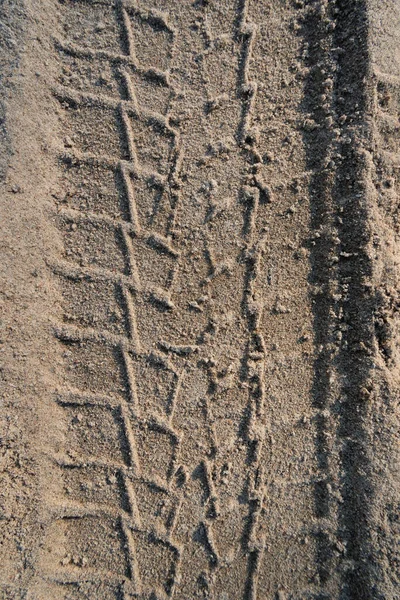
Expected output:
(356, 365)
(224, 320)
(254, 363)
(345, 303)
(321, 141)
(228, 487)
(127, 419)
(213, 549)
(279, 178)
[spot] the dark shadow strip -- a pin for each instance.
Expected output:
(337, 45)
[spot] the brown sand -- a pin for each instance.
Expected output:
(199, 281)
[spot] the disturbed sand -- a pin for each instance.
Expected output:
(199, 294)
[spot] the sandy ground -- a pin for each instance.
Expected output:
(199, 284)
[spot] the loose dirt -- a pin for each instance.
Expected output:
(199, 281)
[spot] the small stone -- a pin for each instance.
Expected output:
(304, 338)
(309, 125)
(78, 417)
(222, 41)
(195, 306)
(217, 102)
(248, 89)
(268, 157)
(248, 193)
(340, 546)
(280, 309)
(68, 143)
(209, 187)
(365, 393)
(100, 26)
(300, 253)
(103, 79)
(389, 183)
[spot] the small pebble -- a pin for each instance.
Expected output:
(68, 143)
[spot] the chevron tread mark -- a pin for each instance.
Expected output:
(205, 444)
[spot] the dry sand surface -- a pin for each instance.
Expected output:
(199, 343)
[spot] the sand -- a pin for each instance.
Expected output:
(199, 282)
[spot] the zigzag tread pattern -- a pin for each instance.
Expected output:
(182, 206)
(116, 503)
